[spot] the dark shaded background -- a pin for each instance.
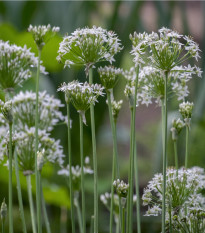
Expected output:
(123, 17)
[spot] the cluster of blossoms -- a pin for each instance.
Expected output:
(168, 49)
(15, 65)
(177, 126)
(183, 194)
(23, 110)
(82, 95)
(88, 46)
(116, 106)
(76, 173)
(121, 187)
(41, 34)
(109, 76)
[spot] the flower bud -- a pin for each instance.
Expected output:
(3, 210)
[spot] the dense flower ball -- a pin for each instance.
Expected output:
(183, 197)
(16, 65)
(88, 46)
(24, 114)
(109, 76)
(41, 34)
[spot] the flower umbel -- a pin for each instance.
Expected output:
(88, 46)
(177, 126)
(121, 187)
(41, 34)
(16, 65)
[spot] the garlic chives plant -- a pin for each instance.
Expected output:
(109, 77)
(166, 53)
(86, 47)
(41, 34)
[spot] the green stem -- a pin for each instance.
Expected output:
(176, 156)
(19, 192)
(92, 224)
(137, 191)
(123, 220)
(10, 180)
(187, 146)
(70, 171)
(38, 192)
(117, 225)
(3, 226)
(164, 113)
(45, 215)
(30, 198)
(115, 164)
(133, 154)
(78, 213)
(82, 173)
(92, 117)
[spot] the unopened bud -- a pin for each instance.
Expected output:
(40, 159)
(3, 210)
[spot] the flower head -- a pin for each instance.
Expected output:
(41, 34)
(165, 50)
(177, 126)
(24, 114)
(3, 210)
(16, 65)
(186, 109)
(116, 106)
(121, 187)
(109, 76)
(76, 173)
(81, 94)
(88, 46)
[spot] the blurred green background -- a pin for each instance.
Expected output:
(123, 17)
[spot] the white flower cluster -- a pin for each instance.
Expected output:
(177, 126)
(15, 65)
(81, 94)
(24, 110)
(121, 187)
(25, 147)
(186, 109)
(116, 106)
(109, 76)
(42, 33)
(183, 193)
(168, 49)
(106, 199)
(88, 46)
(76, 173)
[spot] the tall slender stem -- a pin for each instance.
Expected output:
(45, 215)
(82, 173)
(133, 154)
(137, 191)
(187, 146)
(92, 224)
(19, 192)
(176, 156)
(70, 172)
(92, 116)
(38, 192)
(78, 213)
(3, 227)
(30, 198)
(115, 163)
(123, 220)
(10, 180)
(164, 113)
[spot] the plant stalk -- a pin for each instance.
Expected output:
(115, 163)
(78, 213)
(30, 198)
(164, 113)
(10, 180)
(38, 191)
(82, 173)
(45, 215)
(21, 210)
(70, 172)
(176, 156)
(92, 117)
(123, 220)
(187, 146)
